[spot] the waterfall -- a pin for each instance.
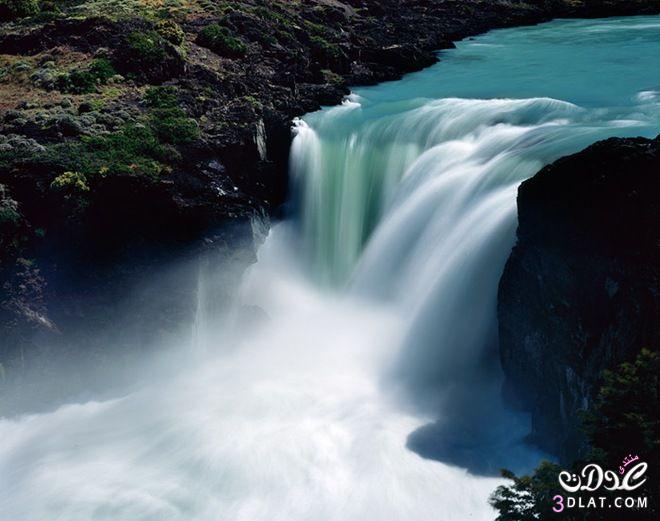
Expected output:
(414, 203)
(371, 309)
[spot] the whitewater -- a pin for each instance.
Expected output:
(372, 309)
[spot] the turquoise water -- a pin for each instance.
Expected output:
(406, 197)
(377, 309)
(603, 63)
(584, 80)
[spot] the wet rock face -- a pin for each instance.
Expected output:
(581, 290)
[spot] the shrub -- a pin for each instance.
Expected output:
(171, 31)
(172, 126)
(77, 82)
(273, 16)
(72, 182)
(102, 70)
(85, 81)
(624, 415)
(20, 8)
(135, 149)
(624, 411)
(220, 40)
(148, 47)
(8, 208)
(332, 77)
(316, 29)
(162, 97)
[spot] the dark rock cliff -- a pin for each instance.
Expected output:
(581, 290)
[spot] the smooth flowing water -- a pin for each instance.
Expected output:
(378, 309)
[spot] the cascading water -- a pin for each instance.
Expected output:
(378, 301)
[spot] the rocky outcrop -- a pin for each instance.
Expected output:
(581, 290)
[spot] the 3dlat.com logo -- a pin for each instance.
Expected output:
(593, 478)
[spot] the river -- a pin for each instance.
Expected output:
(366, 385)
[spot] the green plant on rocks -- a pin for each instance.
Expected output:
(73, 182)
(172, 126)
(221, 41)
(19, 8)
(85, 81)
(147, 47)
(171, 31)
(134, 149)
(162, 97)
(102, 70)
(8, 208)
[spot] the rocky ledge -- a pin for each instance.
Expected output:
(581, 290)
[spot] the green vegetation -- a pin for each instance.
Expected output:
(273, 16)
(254, 102)
(140, 148)
(171, 31)
(85, 81)
(102, 70)
(170, 123)
(162, 97)
(134, 149)
(70, 182)
(19, 8)
(529, 497)
(624, 419)
(131, 9)
(148, 48)
(8, 209)
(221, 41)
(626, 411)
(315, 29)
(76, 82)
(8, 214)
(172, 126)
(91, 105)
(331, 77)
